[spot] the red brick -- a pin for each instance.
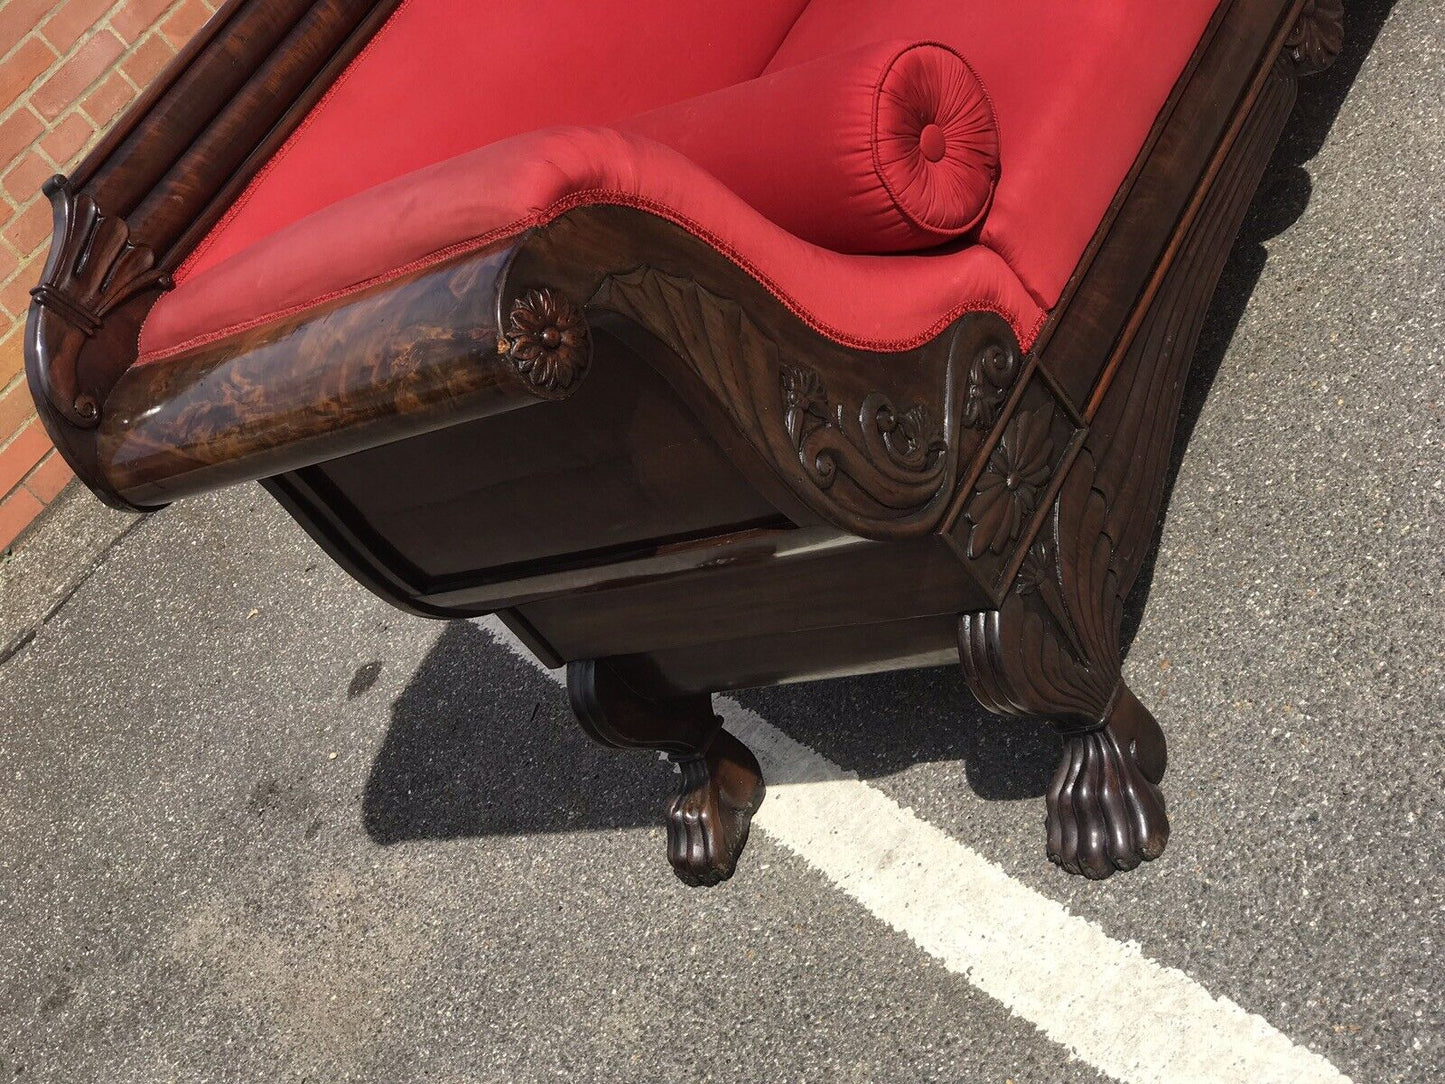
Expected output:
(16, 408)
(31, 227)
(12, 355)
(22, 68)
(185, 22)
(146, 62)
(108, 99)
(21, 454)
(47, 480)
(70, 137)
(9, 262)
(138, 16)
(19, 17)
(23, 180)
(17, 512)
(17, 132)
(87, 65)
(72, 20)
(15, 295)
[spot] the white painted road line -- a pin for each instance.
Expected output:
(1104, 1000)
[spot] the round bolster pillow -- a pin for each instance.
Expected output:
(889, 148)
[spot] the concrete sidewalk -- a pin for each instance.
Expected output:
(255, 824)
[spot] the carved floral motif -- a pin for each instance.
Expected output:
(547, 339)
(1008, 492)
(806, 400)
(886, 448)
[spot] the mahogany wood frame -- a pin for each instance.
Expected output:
(706, 494)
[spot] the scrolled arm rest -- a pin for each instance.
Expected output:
(154, 185)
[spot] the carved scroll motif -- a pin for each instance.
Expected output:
(990, 379)
(871, 466)
(896, 457)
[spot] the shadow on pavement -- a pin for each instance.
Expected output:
(1284, 193)
(441, 775)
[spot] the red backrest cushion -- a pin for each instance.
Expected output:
(443, 77)
(887, 148)
(1076, 85)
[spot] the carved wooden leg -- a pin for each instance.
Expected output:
(1105, 809)
(722, 785)
(1052, 647)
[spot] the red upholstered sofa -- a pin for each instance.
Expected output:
(849, 335)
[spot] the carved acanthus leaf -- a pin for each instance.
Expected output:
(93, 267)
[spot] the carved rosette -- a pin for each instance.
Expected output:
(1316, 38)
(547, 341)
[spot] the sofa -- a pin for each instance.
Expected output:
(708, 346)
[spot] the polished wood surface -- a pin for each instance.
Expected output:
(372, 368)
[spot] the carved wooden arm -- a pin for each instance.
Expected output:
(158, 181)
(826, 431)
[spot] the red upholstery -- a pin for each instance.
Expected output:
(1075, 87)
(444, 77)
(902, 157)
(1076, 84)
(876, 302)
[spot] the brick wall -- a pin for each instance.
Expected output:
(66, 71)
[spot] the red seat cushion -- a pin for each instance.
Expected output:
(874, 302)
(887, 148)
(1076, 87)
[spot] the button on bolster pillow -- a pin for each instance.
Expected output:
(888, 148)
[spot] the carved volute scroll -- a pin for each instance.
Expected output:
(896, 456)
(93, 267)
(991, 377)
(880, 463)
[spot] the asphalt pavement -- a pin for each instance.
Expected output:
(257, 825)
